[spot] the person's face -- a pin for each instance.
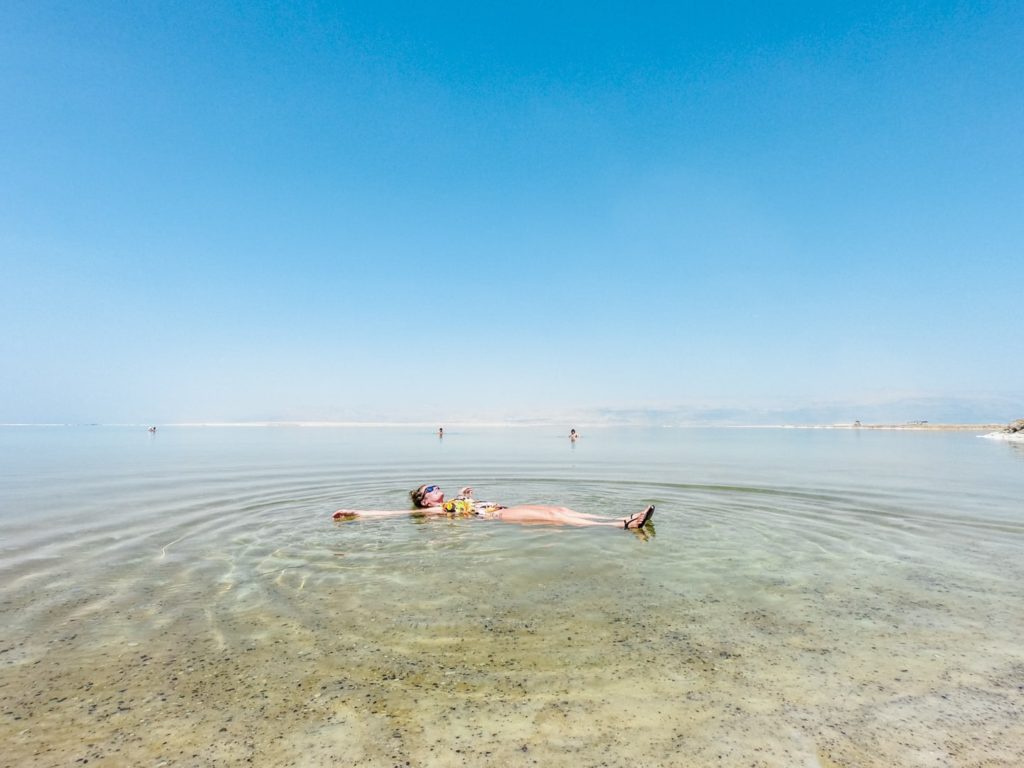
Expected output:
(433, 496)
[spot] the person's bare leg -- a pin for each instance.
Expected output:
(605, 519)
(535, 513)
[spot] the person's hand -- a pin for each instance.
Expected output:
(467, 491)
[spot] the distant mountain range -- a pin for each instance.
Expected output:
(890, 411)
(896, 411)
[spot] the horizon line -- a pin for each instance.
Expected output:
(910, 425)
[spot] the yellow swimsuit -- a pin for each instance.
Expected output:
(466, 507)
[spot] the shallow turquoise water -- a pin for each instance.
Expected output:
(806, 597)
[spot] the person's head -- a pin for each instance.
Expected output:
(429, 495)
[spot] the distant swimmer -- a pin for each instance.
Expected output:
(152, 429)
(572, 435)
(440, 431)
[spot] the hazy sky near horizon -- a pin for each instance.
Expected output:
(233, 211)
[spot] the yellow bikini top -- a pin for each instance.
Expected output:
(466, 507)
(459, 507)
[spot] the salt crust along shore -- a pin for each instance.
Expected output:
(1005, 436)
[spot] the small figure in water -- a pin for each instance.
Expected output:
(152, 429)
(572, 435)
(440, 431)
(429, 501)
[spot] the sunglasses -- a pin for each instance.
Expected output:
(431, 488)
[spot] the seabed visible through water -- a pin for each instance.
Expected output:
(193, 604)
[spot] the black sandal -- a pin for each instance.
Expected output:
(647, 513)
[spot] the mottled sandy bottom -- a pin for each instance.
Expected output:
(579, 663)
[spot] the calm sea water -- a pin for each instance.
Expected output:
(804, 598)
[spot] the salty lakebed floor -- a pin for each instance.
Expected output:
(324, 659)
(810, 598)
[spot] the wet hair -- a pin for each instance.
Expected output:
(417, 496)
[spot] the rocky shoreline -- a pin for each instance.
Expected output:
(1014, 432)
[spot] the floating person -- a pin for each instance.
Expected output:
(152, 429)
(428, 501)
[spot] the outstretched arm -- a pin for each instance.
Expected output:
(347, 514)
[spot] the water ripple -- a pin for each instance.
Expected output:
(771, 606)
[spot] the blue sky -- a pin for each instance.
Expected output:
(444, 211)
